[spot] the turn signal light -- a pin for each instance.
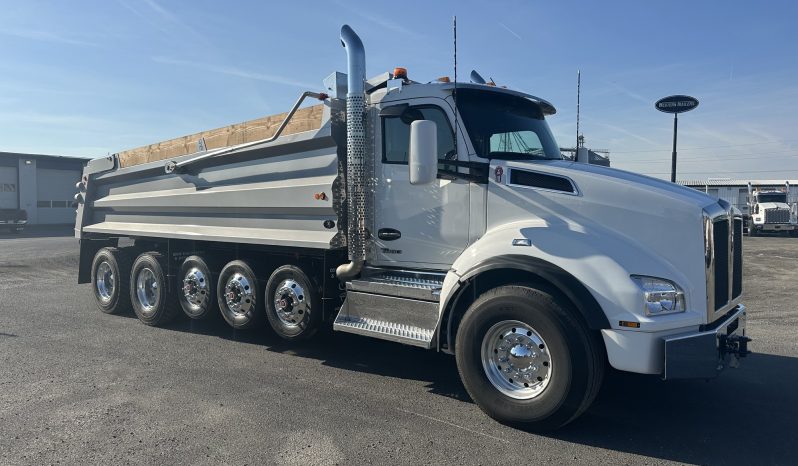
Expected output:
(628, 324)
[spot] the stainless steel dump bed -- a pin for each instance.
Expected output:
(280, 193)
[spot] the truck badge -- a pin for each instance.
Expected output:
(499, 172)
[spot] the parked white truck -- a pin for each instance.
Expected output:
(770, 212)
(439, 215)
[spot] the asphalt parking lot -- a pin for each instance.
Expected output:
(79, 386)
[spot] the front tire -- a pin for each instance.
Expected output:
(239, 295)
(293, 306)
(526, 359)
(149, 291)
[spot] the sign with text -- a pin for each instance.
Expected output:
(676, 104)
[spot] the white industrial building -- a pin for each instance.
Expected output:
(42, 185)
(735, 192)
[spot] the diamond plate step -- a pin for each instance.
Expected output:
(407, 334)
(404, 320)
(413, 285)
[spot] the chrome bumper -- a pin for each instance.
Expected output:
(704, 354)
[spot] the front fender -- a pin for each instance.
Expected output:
(599, 259)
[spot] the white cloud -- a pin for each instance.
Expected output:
(236, 72)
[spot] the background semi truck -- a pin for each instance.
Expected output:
(439, 215)
(770, 212)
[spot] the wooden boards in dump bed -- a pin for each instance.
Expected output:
(305, 119)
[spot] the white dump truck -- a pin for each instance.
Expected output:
(770, 212)
(439, 215)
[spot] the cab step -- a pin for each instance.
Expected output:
(392, 305)
(425, 286)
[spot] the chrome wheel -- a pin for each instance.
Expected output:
(516, 360)
(291, 303)
(195, 289)
(238, 294)
(147, 291)
(105, 282)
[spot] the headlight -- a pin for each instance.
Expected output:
(660, 296)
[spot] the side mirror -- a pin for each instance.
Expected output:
(423, 155)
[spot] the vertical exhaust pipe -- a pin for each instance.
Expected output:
(355, 154)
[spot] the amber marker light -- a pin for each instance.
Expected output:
(627, 324)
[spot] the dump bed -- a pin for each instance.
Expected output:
(280, 193)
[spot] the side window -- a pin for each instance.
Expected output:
(396, 134)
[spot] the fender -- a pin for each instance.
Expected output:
(589, 266)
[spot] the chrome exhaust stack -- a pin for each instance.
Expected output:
(355, 154)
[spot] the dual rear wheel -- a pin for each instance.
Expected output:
(290, 301)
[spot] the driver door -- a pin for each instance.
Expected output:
(417, 226)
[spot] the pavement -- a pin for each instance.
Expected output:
(79, 386)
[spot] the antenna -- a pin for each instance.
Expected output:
(454, 92)
(578, 92)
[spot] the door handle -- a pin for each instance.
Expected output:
(389, 234)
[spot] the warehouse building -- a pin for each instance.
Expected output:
(735, 192)
(42, 185)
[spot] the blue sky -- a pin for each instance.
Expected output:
(86, 78)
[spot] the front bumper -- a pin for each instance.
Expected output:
(705, 353)
(775, 227)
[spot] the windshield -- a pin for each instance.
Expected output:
(772, 197)
(503, 126)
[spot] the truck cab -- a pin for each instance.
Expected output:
(770, 212)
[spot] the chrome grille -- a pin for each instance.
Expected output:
(777, 215)
(724, 262)
(737, 257)
(720, 239)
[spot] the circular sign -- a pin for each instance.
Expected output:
(676, 104)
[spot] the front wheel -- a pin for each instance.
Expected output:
(526, 359)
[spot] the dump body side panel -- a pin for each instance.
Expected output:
(284, 193)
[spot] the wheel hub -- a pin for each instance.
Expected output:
(516, 359)
(290, 302)
(105, 281)
(238, 294)
(195, 288)
(147, 291)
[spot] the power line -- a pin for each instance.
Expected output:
(705, 147)
(711, 160)
(781, 172)
(786, 152)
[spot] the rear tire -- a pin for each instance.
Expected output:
(238, 294)
(525, 358)
(292, 303)
(197, 293)
(110, 280)
(149, 291)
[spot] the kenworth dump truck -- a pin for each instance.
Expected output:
(439, 215)
(769, 211)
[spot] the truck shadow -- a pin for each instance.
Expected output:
(747, 415)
